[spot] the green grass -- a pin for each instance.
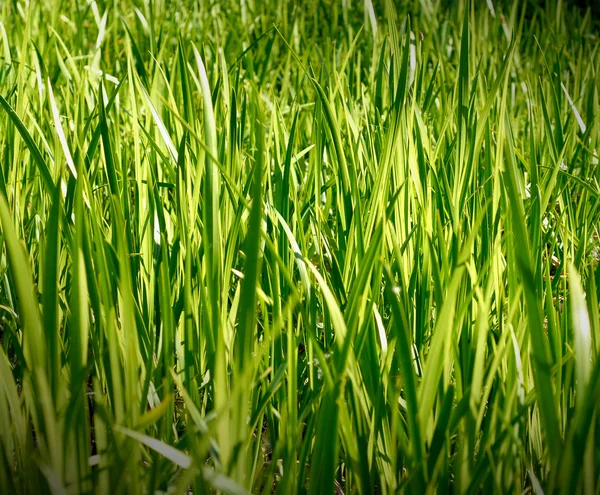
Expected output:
(299, 247)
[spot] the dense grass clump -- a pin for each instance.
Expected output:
(299, 247)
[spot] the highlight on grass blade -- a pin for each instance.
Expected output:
(581, 329)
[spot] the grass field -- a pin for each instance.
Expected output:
(299, 247)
